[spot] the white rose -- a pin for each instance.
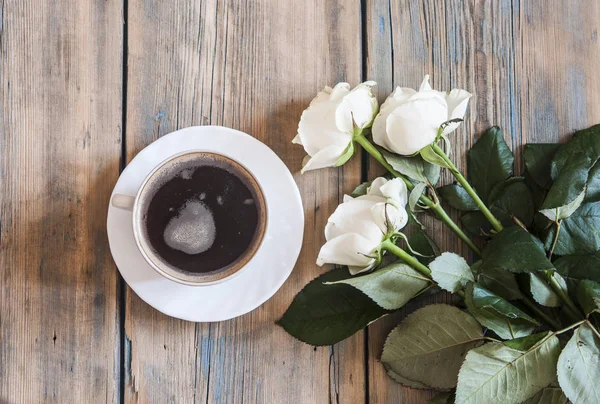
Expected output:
(409, 120)
(356, 229)
(329, 124)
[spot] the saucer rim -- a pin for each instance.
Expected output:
(281, 175)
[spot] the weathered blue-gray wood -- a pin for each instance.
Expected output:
(60, 148)
(253, 66)
(532, 66)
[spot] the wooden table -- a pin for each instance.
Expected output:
(86, 84)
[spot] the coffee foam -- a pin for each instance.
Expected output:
(184, 167)
(193, 230)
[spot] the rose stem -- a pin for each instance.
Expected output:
(497, 225)
(441, 213)
(575, 313)
(532, 306)
(388, 245)
(463, 181)
(406, 257)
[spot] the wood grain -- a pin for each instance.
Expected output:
(60, 145)
(253, 66)
(414, 39)
(531, 66)
(556, 68)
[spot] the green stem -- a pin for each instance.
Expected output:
(465, 184)
(562, 294)
(569, 327)
(406, 257)
(593, 328)
(533, 307)
(412, 261)
(558, 222)
(441, 213)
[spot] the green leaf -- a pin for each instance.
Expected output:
(361, 189)
(564, 211)
(495, 373)
(429, 155)
(515, 250)
(512, 198)
(579, 367)
(405, 382)
(483, 298)
(326, 314)
(456, 196)
(538, 160)
(588, 295)
(429, 345)
(347, 155)
(538, 194)
(415, 194)
(475, 267)
(592, 193)
(524, 343)
(579, 266)
(497, 314)
(543, 293)
(451, 272)
(490, 161)
(571, 167)
(476, 223)
(414, 167)
(391, 287)
(424, 245)
(432, 172)
(500, 282)
(548, 395)
(580, 232)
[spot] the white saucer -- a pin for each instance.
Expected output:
(266, 271)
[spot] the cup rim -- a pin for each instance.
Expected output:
(136, 224)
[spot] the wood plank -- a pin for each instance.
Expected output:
(531, 67)
(253, 66)
(416, 38)
(557, 68)
(60, 134)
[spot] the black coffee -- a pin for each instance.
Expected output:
(203, 217)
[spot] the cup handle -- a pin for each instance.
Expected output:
(123, 202)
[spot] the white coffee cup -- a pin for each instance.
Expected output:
(139, 203)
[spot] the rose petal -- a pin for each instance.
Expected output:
(357, 108)
(375, 187)
(348, 249)
(324, 158)
(339, 91)
(414, 124)
(353, 217)
(425, 86)
(458, 101)
(397, 98)
(355, 270)
(385, 214)
(374, 198)
(396, 191)
(317, 128)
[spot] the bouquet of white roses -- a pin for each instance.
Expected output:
(528, 326)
